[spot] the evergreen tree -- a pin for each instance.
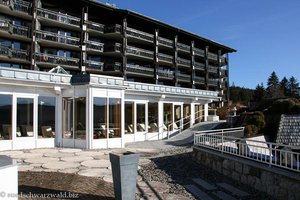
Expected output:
(292, 84)
(273, 89)
(259, 93)
(284, 86)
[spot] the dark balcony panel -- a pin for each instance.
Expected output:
(113, 47)
(183, 62)
(223, 61)
(165, 42)
(183, 47)
(165, 74)
(139, 52)
(14, 53)
(199, 52)
(199, 66)
(54, 59)
(199, 80)
(184, 77)
(95, 26)
(59, 17)
(212, 69)
(139, 34)
(54, 37)
(112, 66)
(93, 45)
(224, 73)
(139, 69)
(18, 5)
(212, 56)
(113, 28)
(165, 57)
(11, 28)
(213, 82)
(94, 64)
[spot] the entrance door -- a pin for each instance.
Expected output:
(177, 117)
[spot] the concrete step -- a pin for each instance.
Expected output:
(233, 190)
(205, 185)
(223, 196)
(199, 194)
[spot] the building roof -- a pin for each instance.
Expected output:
(155, 21)
(289, 130)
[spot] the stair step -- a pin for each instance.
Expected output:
(199, 194)
(233, 190)
(223, 196)
(205, 185)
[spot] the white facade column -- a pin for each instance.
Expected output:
(160, 119)
(122, 118)
(205, 111)
(89, 119)
(192, 114)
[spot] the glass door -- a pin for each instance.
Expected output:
(177, 117)
(24, 117)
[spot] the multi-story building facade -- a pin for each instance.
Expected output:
(89, 75)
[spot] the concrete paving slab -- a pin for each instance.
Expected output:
(52, 150)
(223, 196)
(76, 158)
(60, 165)
(69, 170)
(66, 150)
(96, 163)
(58, 155)
(36, 165)
(11, 153)
(24, 168)
(205, 185)
(26, 155)
(89, 153)
(152, 187)
(233, 190)
(199, 194)
(101, 157)
(108, 178)
(96, 172)
(40, 160)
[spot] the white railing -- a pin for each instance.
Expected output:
(225, 141)
(55, 37)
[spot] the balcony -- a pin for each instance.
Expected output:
(140, 69)
(165, 58)
(212, 56)
(113, 28)
(223, 60)
(165, 42)
(183, 47)
(213, 82)
(94, 46)
(54, 37)
(139, 52)
(12, 53)
(58, 17)
(56, 60)
(184, 77)
(199, 80)
(212, 69)
(199, 66)
(17, 5)
(139, 35)
(184, 62)
(112, 67)
(94, 64)
(167, 74)
(7, 26)
(113, 47)
(199, 52)
(224, 73)
(95, 26)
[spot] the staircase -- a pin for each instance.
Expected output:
(289, 130)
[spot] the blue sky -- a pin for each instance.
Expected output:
(265, 33)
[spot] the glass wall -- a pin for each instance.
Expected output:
(153, 117)
(168, 116)
(68, 117)
(24, 126)
(114, 117)
(129, 117)
(186, 115)
(177, 116)
(199, 113)
(141, 117)
(46, 117)
(100, 124)
(80, 118)
(5, 117)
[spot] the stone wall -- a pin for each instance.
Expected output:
(276, 182)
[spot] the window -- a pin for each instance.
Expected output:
(186, 116)
(80, 116)
(68, 117)
(177, 116)
(129, 118)
(114, 117)
(5, 117)
(141, 117)
(168, 116)
(46, 117)
(153, 117)
(199, 113)
(24, 117)
(100, 112)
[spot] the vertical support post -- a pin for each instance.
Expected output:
(83, 38)
(156, 64)
(193, 64)
(33, 36)
(175, 60)
(124, 57)
(206, 66)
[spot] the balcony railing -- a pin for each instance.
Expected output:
(184, 62)
(18, 5)
(139, 52)
(212, 56)
(95, 26)
(199, 52)
(213, 82)
(140, 69)
(224, 72)
(112, 66)
(113, 47)
(140, 34)
(94, 64)
(184, 77)
(183, 47)
(199, 66)
(165, 42)
(165, 57)
(93, 45)
(12, 28)
(59, 17)
(163, 73)
(223, 60)
(212, 69)
(14, 53)
(113, 28)
(54, 59)
(54, 37)
(199, 80)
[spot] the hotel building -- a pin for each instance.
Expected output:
(89, 75)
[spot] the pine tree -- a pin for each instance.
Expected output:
(259, 93)
(284, 86)
(273, 89)
(292, 85)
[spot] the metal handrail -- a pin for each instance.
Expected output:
(139, 51)
(94, 45)
(55, 37)
(165, 57)
(13, 28)
(64, 18)
(165, 42)
(212, 69)
(212, 56)
(183, 61)
(95, 26)
(14, 53)
(139, 34)
(199, 52)
(183, 47)
(273, 154)
(94, 64)
(199, 66)
(139, 68)
(50, 58)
